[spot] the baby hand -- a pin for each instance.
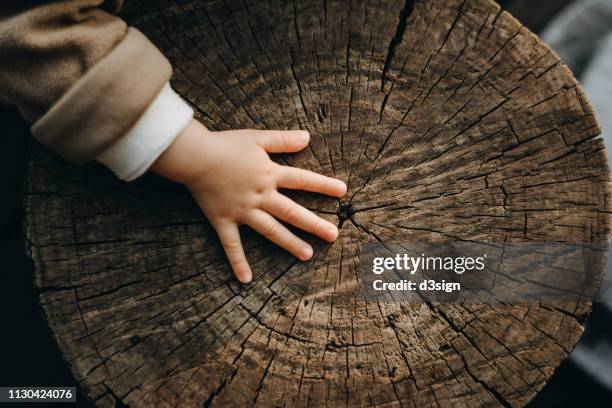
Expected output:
(234, 181)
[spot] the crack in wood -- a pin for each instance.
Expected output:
(396, 39)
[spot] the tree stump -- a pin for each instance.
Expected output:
(445, 118)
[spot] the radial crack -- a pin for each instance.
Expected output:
(397, 39)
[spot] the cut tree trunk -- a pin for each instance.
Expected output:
(447, 119)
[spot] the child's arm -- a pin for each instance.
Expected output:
(234, 182)
(85, 80)
(95, 89)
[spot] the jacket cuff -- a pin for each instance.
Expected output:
(162, 122)
(104, 104)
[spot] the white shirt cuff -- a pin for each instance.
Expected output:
(132, 155)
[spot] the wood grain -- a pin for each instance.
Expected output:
(447, 119)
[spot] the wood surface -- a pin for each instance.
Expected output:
(447, 119)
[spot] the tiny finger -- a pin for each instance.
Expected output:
(230, 240)
(300, 179)
(276, 232)
(282, 141)
(284, 208)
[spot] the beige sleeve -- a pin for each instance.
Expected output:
(77, 72)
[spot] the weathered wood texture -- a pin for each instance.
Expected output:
(446, 119)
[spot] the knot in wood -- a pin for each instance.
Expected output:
(345, 211)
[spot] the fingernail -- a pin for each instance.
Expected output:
(246, 277)
(332, 233)
(304, 136)
(343, 188)
(305, 253)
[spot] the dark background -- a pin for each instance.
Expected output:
(28, 353)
